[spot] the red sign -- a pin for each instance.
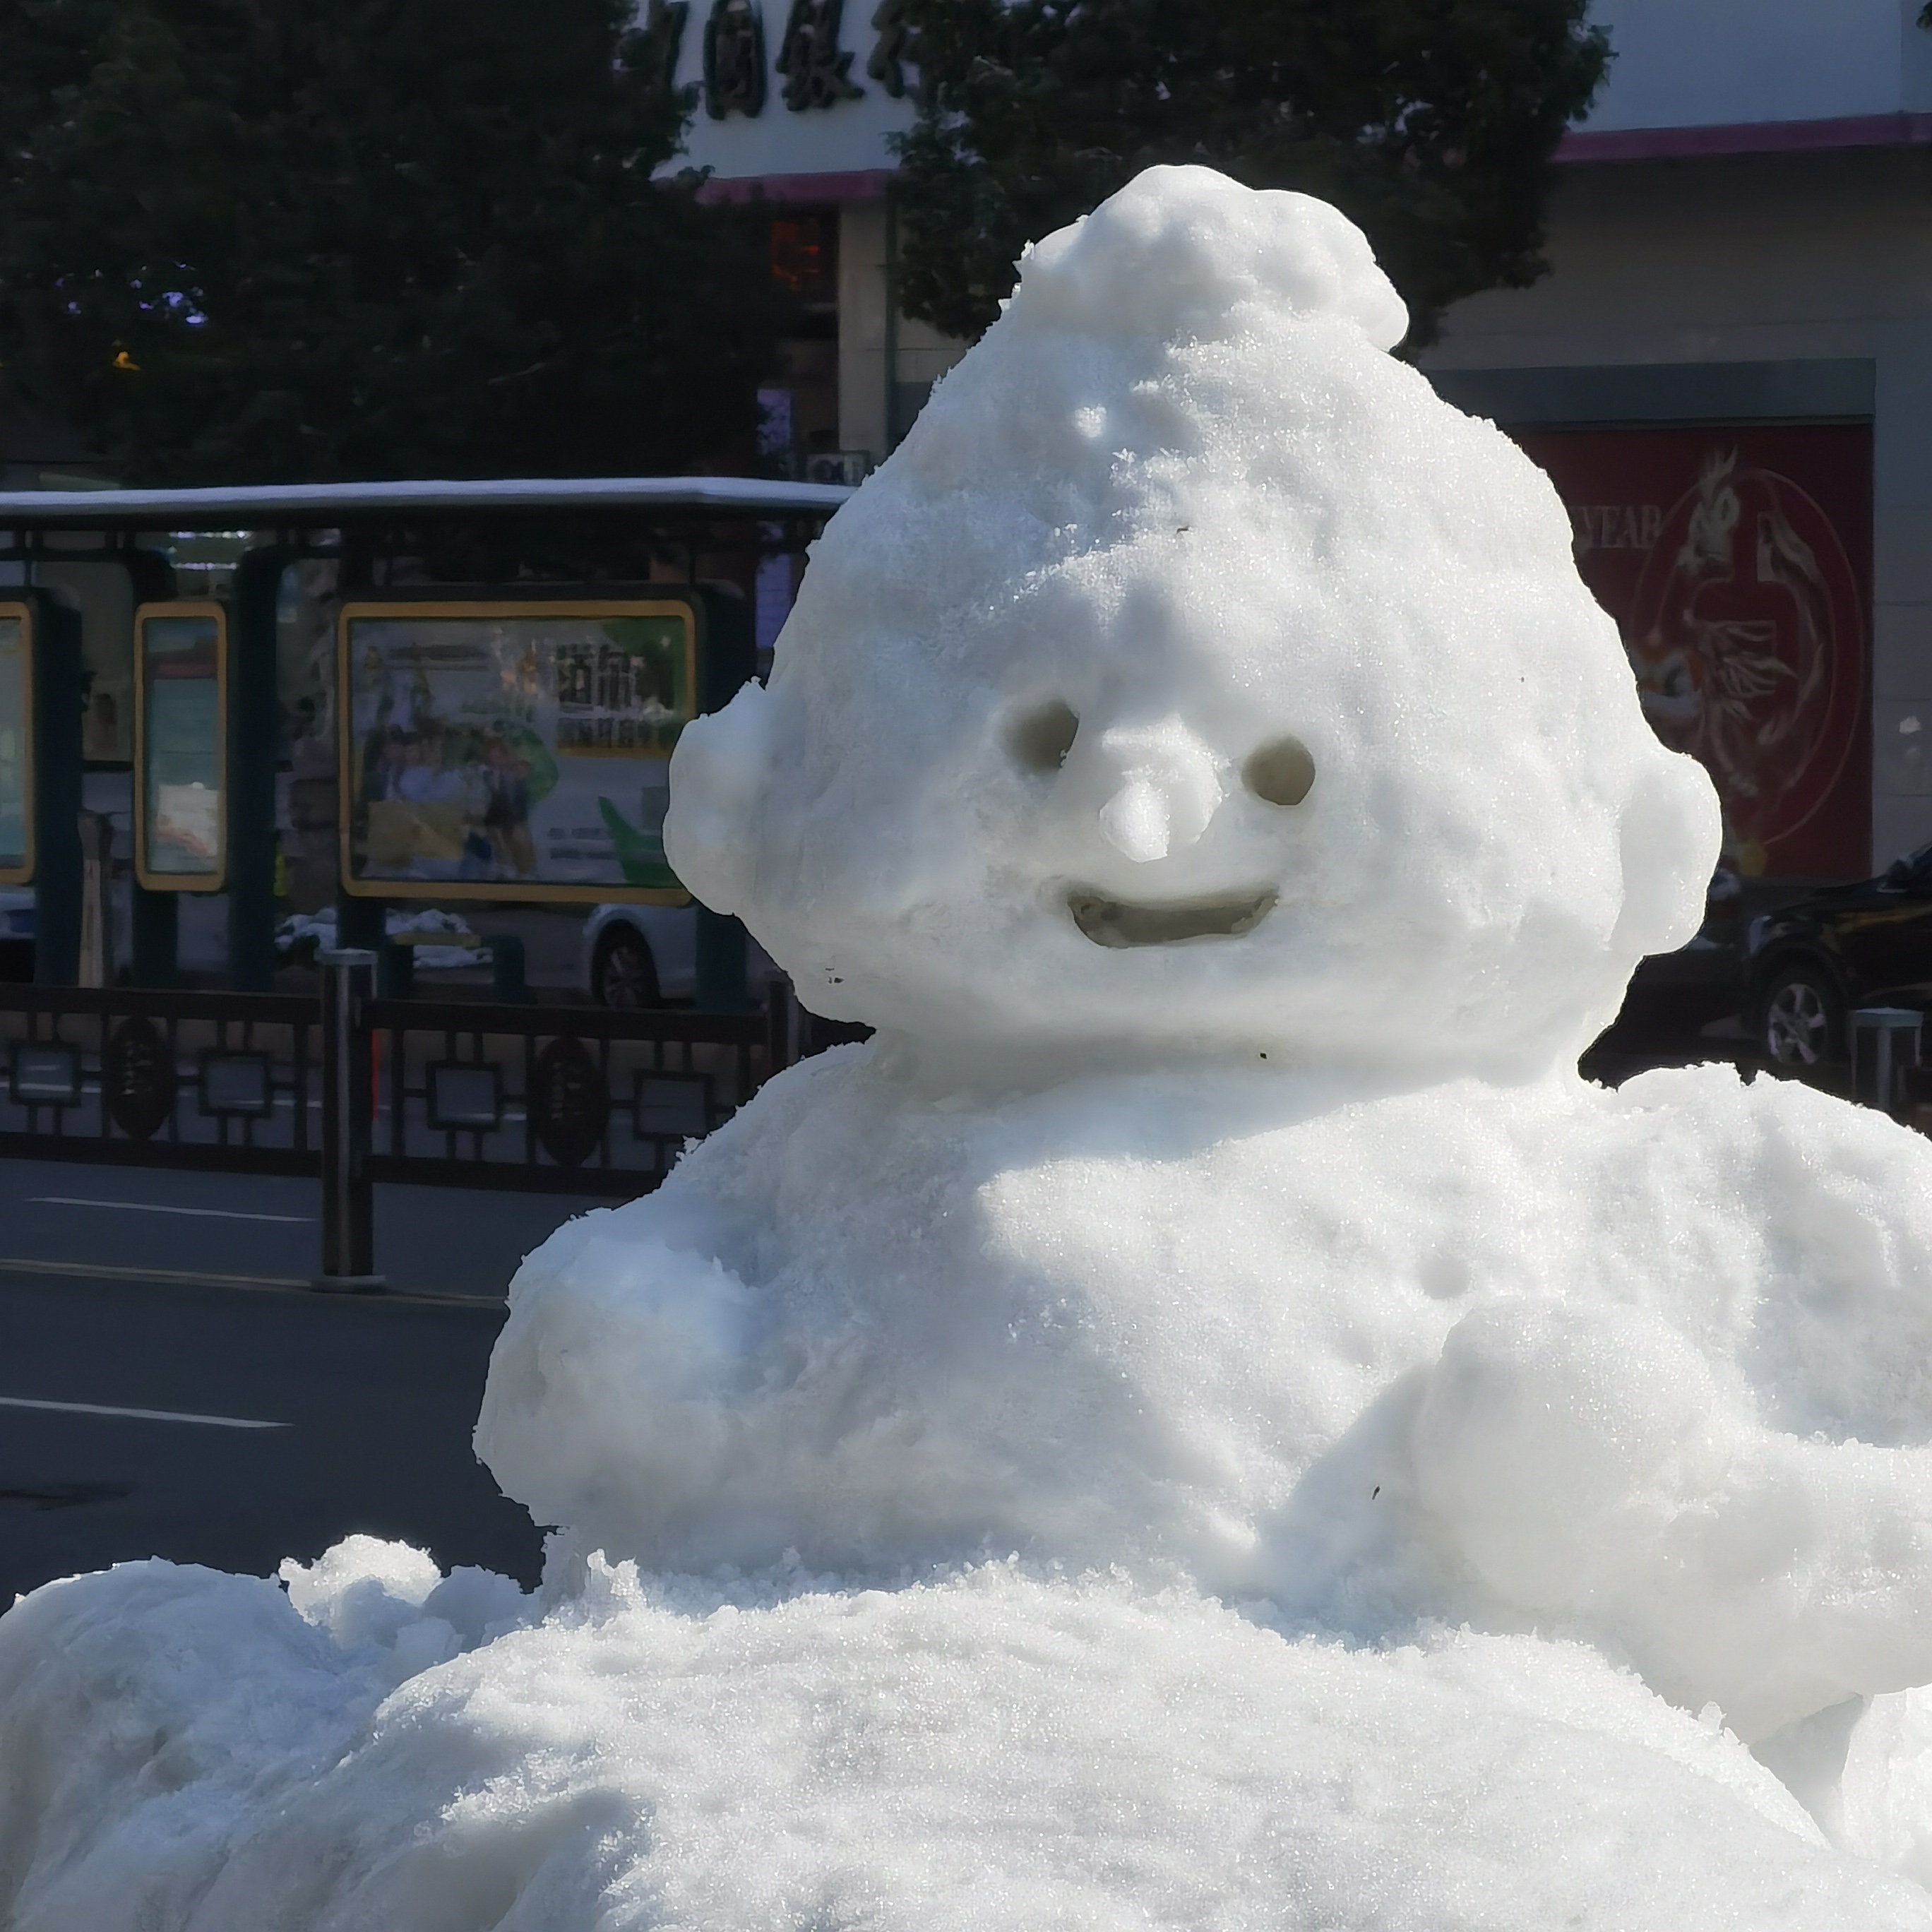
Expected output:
(1737, 563)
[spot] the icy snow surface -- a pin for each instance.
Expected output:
(1206, 1421)
(993, 1750)
(318, 929)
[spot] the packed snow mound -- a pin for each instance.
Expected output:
(153, 1717)
(1186, 252)
(1193, 677)
(1205, 1420)
(992, 1749)
(1654, 1366)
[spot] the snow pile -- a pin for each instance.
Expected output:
(306, 933)
(998, 1750)
(1205, 1420)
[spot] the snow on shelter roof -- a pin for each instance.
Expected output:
(271, 504)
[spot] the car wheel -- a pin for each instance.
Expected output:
(623, 972)
(1801, 1022)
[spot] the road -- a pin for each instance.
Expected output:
(169, 1386)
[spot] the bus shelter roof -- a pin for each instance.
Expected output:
(328, 505)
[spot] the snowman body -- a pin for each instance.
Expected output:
(1650, 1366)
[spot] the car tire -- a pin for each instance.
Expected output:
(623, 972)
(1801, 1018)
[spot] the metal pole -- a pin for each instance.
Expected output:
(97, 901)
(252, 742)
(348, 1094)
(252, 727)
(727, 659)
(57, 767)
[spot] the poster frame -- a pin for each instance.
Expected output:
(591, 609)
(216, 881)
(23, 874)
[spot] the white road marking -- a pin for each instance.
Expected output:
(138, 1415)
(156, 1207)
(260, 1284)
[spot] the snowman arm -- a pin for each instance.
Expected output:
(1595, 1470)
(1840, 1338)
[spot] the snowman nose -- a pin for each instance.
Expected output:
(1167, 786)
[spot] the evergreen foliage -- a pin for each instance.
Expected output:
(1431, 122)
(271, 240)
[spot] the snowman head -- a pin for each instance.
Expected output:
(1193, 680)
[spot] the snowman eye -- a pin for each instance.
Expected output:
(1281, 771)
(1041, 738)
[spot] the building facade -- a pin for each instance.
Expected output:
(1727, 373)
(798, 101)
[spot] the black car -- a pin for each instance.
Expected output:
(1671, 995)
(1811, 963)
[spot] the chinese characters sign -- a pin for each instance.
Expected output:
(1737, 563)
(658, 42)
(815, 68)
(734, 58)
(17, 745)
(896, 49)
(511, 751)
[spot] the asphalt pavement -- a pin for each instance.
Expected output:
(169, 1384)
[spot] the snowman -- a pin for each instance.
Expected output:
(1196, 754)
(1205, 1420)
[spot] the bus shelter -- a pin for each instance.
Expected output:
(473, 687)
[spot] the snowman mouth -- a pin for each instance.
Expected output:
(1119, 922)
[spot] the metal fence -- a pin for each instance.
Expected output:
(583, 1100)
(576, 1100)
(210, 1080)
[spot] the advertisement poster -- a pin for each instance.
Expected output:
(1737, 563)
(16, 713)
(512, 750)
(181, 755)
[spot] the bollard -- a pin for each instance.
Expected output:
(348, 1095)
(1885, 1042)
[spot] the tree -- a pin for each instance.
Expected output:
(1432, 123)
(268, 240)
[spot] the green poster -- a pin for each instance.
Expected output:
(511, 751)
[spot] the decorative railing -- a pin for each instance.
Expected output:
(581, 1100)
(216, 1080)
(575, 1100)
